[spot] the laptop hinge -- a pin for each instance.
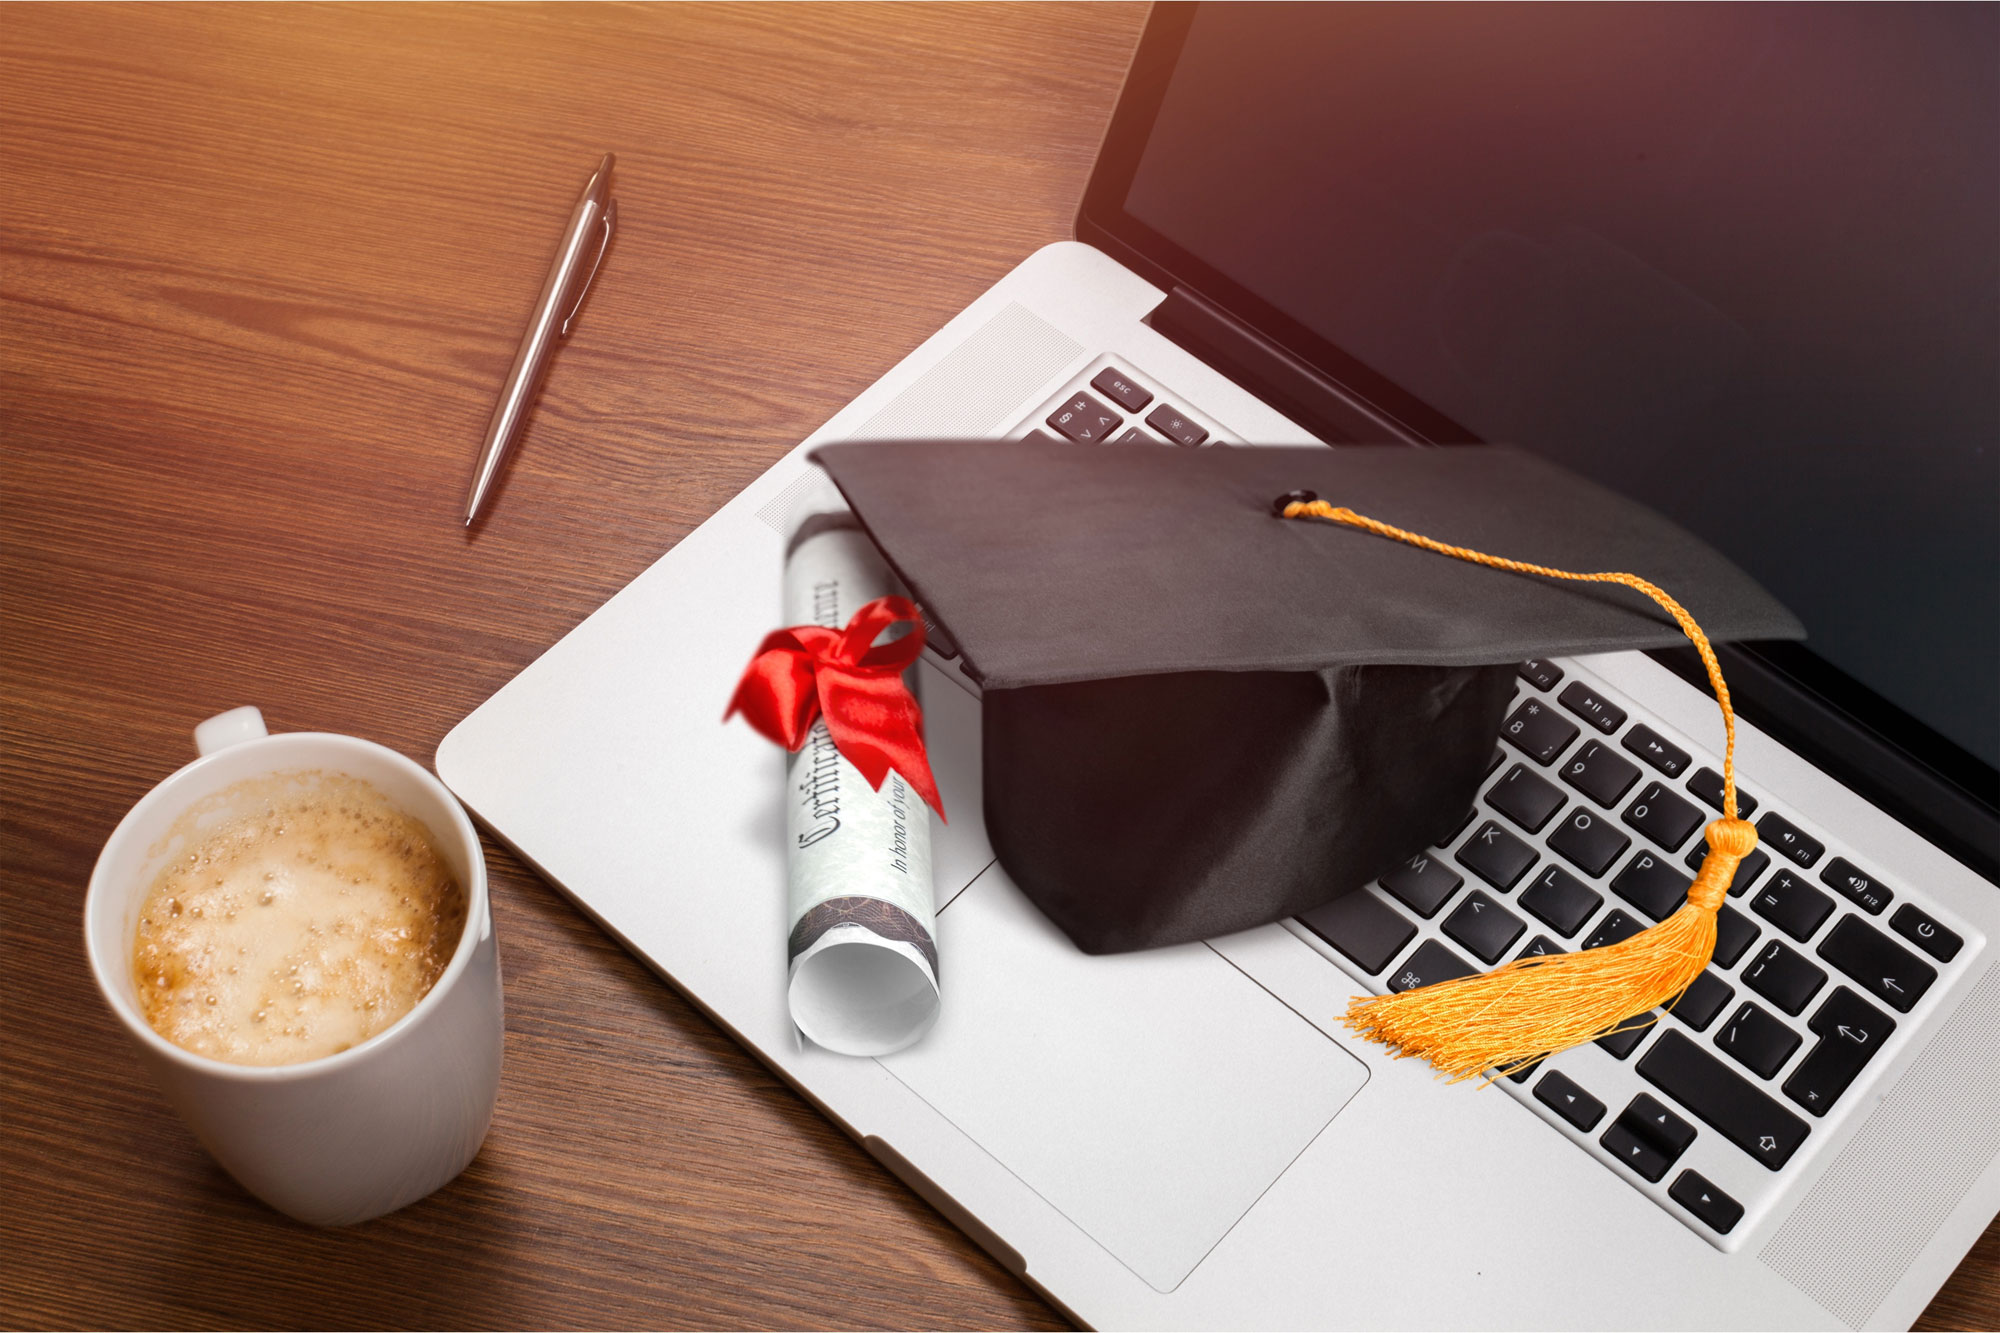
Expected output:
(1267, 370)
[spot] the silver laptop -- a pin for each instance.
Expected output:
(1734, 261)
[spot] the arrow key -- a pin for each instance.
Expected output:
(1560, 1094)
(1640, 1154)
(1716, 1210)
(1850, 1031)
(1650, 1117)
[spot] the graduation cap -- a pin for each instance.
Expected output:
(1214, 699)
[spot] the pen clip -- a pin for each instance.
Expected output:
(603, 244)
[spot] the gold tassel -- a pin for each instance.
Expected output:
(1519, 1014)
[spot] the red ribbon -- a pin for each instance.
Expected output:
(808, 671)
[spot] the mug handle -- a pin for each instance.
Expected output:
(230, 728)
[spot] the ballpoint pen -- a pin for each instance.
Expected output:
(584, 241)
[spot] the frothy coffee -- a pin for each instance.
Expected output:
(306, 923)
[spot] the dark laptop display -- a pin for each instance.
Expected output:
(1737, 261)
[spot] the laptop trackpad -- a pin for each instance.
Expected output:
(1150, 1097)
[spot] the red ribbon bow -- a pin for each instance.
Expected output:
(802, 673)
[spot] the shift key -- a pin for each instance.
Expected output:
(1723, 1099)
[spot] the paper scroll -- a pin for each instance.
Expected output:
(863, 964)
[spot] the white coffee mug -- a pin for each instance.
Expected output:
(348, 1136)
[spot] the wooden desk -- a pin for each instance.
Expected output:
(263, 270)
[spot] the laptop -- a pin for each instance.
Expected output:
(1734, 261)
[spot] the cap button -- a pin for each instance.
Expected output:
(1291, 498)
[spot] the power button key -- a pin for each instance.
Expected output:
(1925, 933)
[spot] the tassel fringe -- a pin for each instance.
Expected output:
(1517, 1015)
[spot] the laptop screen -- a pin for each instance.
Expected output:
(1736, 261)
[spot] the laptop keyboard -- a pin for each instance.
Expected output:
(1587, 831)
(1085, 417)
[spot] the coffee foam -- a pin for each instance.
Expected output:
(310, 917)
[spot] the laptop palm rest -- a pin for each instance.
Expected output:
(1150, 1098)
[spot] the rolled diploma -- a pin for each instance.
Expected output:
(863, 961)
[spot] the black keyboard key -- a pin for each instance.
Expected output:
(1170, 423)
(1784, 978)
(1539, 947)
(1843, 877)
(1658, 1123)
(1590, 840)
(1747, 869)
(1651, 885)
(1538, 731)
(1702, 1001)
(1734, 932)
(1848, 1015)
(1657, 750)
(1663, 816)
(1042, 437)
(1850, 1031)
(1085, 420)
(1714, 1209)
(1598, 772)
(1493, 760)
(1542, 674)
(1925, 933)
(1615, 928)
(1483, 926)
(1365, 929)
(1561, 900)
(1883, 967)
(1560, 1094)
(1431, 963)
(1496, 856)
(1592, 707)
(1787, 840)
(1635, 1151)
(1114, 384)
(1647, 1137)
(1723, 1099)
(1794, 906)
(1707, 784)
(1422, 884)
(1525, 798)
(1133, 435)
(1625, 1038)
(1757, 1041)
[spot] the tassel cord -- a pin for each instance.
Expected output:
(1341, 514)
(1517, 1015)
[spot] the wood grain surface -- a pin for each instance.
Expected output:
(261, 271)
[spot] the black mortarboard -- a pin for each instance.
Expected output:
(1200, 717)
